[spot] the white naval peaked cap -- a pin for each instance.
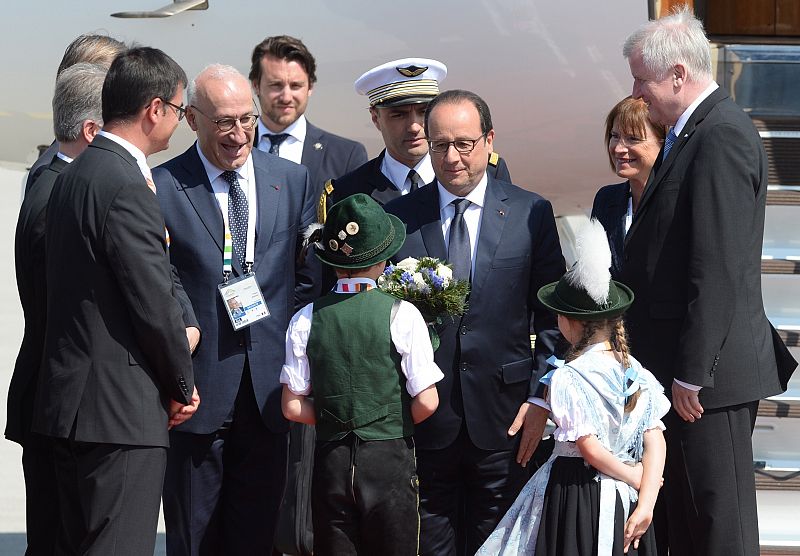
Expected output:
(405, 81)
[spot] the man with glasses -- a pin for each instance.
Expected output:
(233, 215)
(398, 93)
(471, 453)
(116, 370)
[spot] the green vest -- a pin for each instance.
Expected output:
(356, 377)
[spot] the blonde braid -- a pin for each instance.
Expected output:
(619, 339)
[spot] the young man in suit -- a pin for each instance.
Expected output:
(471, 453)
(693, 259)
(117, 369)
(226, 468)
(283, 74)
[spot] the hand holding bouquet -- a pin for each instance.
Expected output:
(427, 284)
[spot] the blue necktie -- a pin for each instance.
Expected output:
(671, 137)
(238, 214)
(459, 251)
(275, 142)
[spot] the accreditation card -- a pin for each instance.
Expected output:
(243, 301)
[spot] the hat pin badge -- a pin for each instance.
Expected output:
(318, 146)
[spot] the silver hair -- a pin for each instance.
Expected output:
(77, 98)
(214, 71)
(678, 38)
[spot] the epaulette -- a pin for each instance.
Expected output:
(322, 206)
(494, 158)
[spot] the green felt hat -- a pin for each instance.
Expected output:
(358, 233)
(572, 301)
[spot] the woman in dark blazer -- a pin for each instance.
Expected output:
(633, 143)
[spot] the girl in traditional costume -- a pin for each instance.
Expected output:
(595, 495)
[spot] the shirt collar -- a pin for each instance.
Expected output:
(244, 172)
(136, 152)
(477, 196)
(692, 107)
(64, 157)
(350, 285)
(398, 172)
(296, 129)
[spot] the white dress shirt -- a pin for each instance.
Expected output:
(136, 152)
(292, 146)
(409, 335)
(397, 172)
(247, 181)
(472, 216)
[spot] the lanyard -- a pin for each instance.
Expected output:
(227, 250)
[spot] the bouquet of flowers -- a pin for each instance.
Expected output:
(427, 284)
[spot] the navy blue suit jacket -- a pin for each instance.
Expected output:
(609, 208)
(286, 206)
(486, 357)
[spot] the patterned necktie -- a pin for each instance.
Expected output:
(416, 180)
(237, 214)
(275, 142)
(459, 252)
(671, 137)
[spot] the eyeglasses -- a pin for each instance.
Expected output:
(227, 124)
(180, 111)
(464, 146)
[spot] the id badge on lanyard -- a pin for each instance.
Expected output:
(241, 297)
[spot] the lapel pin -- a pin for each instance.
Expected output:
(318, 146)
(501, 212)
(277, 187)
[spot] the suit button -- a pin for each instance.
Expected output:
(241, 342)
(463, 368)
(463, 330)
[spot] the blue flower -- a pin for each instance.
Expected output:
(436, 281)
(406, 278)
(388, 271)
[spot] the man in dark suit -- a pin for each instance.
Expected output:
(226, 468)
(398, 93)
(283, 74)
(692, 257)
(116, 367)
(88, 48)
(77, 113)
(503, 239)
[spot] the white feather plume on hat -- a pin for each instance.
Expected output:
(591, 271)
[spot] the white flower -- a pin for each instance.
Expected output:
(409, 264)
(444, 271)
(420, 284)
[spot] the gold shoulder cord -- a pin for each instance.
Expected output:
(322, 206)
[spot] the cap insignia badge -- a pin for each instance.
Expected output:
(412, 71)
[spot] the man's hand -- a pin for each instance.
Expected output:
(686, 403)
(531, 419)
(179, 413)
(193, 336)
